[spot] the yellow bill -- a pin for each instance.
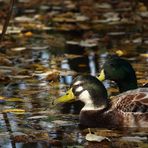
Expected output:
(69, 96)
(102, 75)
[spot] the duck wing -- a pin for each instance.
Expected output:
(135, 101)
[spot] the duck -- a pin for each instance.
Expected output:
(120, 71)
(128, 109)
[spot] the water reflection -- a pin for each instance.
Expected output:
(37, 93)
(66, 79)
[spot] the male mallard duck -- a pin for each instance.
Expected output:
(129, 109)
(120, 71)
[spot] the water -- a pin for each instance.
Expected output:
(30, 80)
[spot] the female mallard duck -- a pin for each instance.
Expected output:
(120, 71)
(129, 109)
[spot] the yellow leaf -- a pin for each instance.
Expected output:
(144, 55)
(28, 34)
(2, 98)
(14, 100)
(119, 52)
(143, 81)
(14, 110)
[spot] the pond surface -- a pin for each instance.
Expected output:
(46, 46)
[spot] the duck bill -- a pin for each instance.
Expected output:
(68, 97)
(101, 77)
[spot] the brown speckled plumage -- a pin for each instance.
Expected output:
(129, 109)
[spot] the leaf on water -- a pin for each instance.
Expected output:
(2, 99)
(134, 138)
(14, 30)
(104, 6)
(20, 137)
(14, 100)
(53, 75)
(89, 43)
(18, 49)
(66, 27)
(81, 18)
(82, 65)
(28, 34)
(72, 56)
(62, 123)
(142, 81)
(72, 42)
(37, 117)
(37, 67)
(142, 7)
(144, 55)
(119, 52)
(96, 138)
(30, 137)
(14, 110)
(24, 19)
(5, 61)
(50, 75)
(108, 133)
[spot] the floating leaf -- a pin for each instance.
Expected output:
(134, 139)
(96, 138)
(144, 55)
(14, 110)
(38, 117)
(18, 49)
(2, 99)
(14, 30)
(28, 34)
(14, 100)
(142, 81)
(119, 52)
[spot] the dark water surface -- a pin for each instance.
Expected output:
(43, 68)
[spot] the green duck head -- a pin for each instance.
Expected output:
(87, 89)
(120, 71)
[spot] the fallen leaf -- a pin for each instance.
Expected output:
(28, 34)
(14, 110)
(119, 52)
(2, 99)
(144, 55)
(134, 139)
(96, 138)
(37, 117)
(18, 49)
(14, 100)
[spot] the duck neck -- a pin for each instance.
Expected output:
(92, 107)
(127, 85)
(93, 118)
